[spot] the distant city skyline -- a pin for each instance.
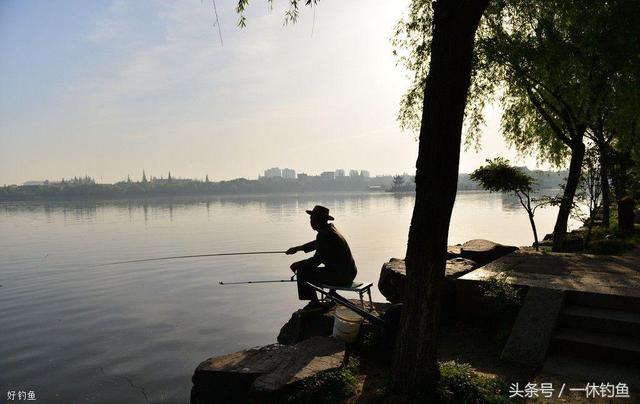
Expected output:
(273, 172)
(104, 88)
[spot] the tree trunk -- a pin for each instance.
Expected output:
(604, 184)
(535, 231)
(575, 169)
(619, 173)
(415, 368)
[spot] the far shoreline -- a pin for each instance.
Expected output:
(227, 196)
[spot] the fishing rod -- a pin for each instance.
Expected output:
(192, 256)
(263, 281)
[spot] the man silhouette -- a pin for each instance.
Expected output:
(331, 251)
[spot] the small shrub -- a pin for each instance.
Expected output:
(328, 387)
(500, 295)
(460, 383)
(503, 301)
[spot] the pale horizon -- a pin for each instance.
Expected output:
(107, 89)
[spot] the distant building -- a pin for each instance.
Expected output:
(288, 173)
(339, 173)
(303, 176)
(330, 175)
(365, 174)
(353, 173)
(35, 183)
(273, 172)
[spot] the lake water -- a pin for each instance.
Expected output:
(76, 332)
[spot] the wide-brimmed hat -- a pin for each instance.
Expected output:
(320, 211)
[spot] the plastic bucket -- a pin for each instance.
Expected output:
(346, 324)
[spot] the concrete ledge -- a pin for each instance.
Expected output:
(534, 326)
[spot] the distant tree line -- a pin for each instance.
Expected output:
(87, 188)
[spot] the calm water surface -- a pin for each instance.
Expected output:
(76, 332)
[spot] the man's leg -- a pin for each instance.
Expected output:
(305, 272)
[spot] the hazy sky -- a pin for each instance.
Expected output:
(109, 88)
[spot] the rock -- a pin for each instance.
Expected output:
(393, 275)
(391, 281)
(304, 360)
(484, 251)
(457, 267)
(453, 251)
(306, 324)
(262, 374)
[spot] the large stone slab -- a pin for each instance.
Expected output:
(533, 328)
(305, 359)
(393, 276)
(484, 251)
(604, 274)
(265, 372)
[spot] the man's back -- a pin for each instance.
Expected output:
(333, 251)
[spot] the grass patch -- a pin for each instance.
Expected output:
(327, 387)
(609, 242)
(610, 247)
(460, 383)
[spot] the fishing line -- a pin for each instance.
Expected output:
(191, 256)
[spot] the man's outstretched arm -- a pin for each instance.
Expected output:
(307, 247)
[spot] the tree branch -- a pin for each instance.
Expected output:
(550, 121)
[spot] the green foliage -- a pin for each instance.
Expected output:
(412, 44)
(499, 176)
(399, 184)
(558, 67)
(398, 180)
(500, 295)
(459, 383)
(503, 301)
(290, 16)
(327, 387)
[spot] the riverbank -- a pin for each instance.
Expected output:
(506, 329)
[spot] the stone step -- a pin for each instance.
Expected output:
(587, 344)
(604, 301)
(601, 320)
